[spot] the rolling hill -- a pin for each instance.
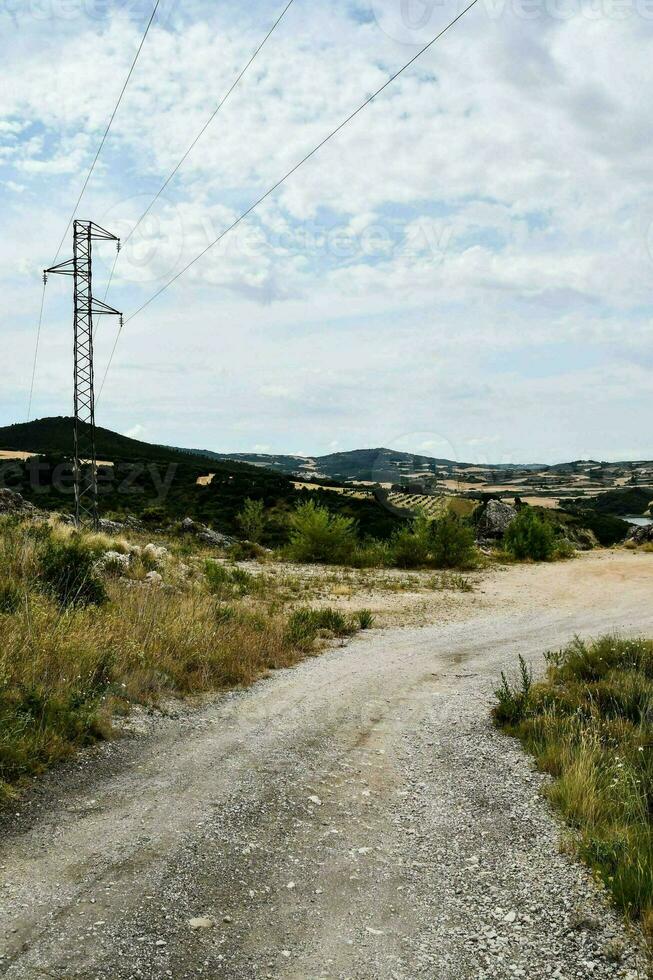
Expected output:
(617, 488)
(161, 484)
(55, 436)
(379, 465)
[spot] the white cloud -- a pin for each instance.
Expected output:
(495, 200)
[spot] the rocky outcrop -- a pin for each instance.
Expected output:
(495, 520)
(205, 534)
(155, 554)
(642, 535)
(12, 502)
(115, 527)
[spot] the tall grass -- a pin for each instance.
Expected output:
(66, 666)
(590, 726)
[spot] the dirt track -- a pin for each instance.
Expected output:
(356, 817)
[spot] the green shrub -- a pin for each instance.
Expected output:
(68, 574)
(513, 699)
(530, 537)
(447, 542)
(564, 549)
(252, 519)
(370, 554)
(245, 551)
(452, 543)
(226, 582)
(365, 619)
(304, 625)
(410, 547)
(317, 535)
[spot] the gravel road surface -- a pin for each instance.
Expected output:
(355, 817)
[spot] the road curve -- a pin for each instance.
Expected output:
(355, 817)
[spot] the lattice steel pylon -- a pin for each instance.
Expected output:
(86, 307)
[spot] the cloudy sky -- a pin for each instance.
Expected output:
(464, 271)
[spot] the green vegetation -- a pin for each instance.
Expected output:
(589, 725)
(317, 535)
(447, 542)
(305, 625)
(410, 546)
(607, 530)
(79, 648)
(365, 619)
(252, 519)
(530, 537)
(620, 501)
(163, 492)
(229, 582)
(67, 572)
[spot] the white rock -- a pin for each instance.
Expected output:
(201, 922)
(113, 563)
(155, 552)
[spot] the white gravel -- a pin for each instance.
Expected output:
(356, 817)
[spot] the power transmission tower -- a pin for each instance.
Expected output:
(86, 307)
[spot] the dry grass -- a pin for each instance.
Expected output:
(66, 668)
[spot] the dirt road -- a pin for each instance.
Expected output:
(356, 817)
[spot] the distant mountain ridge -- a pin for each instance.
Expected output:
(377, 465)
(380, 465)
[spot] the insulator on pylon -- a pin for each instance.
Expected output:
(121, 322)
(45, 278)
(118, 246)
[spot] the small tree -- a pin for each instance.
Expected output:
(318, 535)
(452, 543)
(252, 519)
(529, 536)
(444, 543)
(410, 546)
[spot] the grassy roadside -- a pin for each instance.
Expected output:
(589, 724)
(80, 645)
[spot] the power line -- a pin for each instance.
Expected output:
(36, 351)
(283, 179)
(198, 137)
(109, 124)
(83, 190)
